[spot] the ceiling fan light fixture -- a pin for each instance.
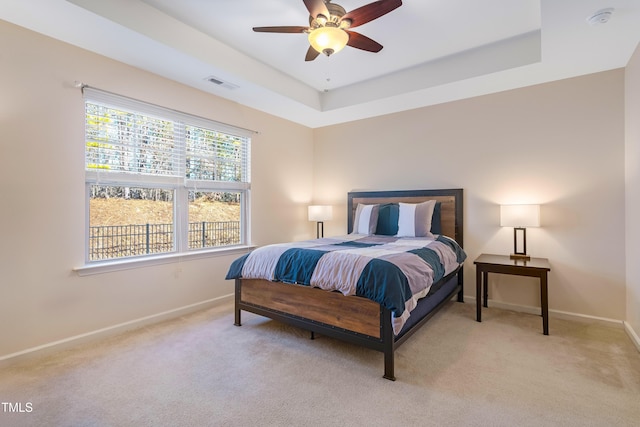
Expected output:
(328, 40)
(321, 20)
(345, 24)
(330, 25)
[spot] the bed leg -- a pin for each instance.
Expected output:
(313, 335)
(461, 284)
(388, 339)
(388, 366)
(237, 304)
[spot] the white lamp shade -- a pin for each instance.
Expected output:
(320, 213)
(328, 40)
(520, 215)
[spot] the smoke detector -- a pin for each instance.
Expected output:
(601, 17)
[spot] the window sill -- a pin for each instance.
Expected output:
(131, 263)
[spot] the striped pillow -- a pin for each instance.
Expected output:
(414, 220)
(366, 219)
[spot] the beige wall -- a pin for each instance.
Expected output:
(559, 144)
(42, 214)
(632, 157)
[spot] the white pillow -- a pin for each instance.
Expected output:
(414, 220)
(366, 219)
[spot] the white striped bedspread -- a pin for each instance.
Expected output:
(392, 271)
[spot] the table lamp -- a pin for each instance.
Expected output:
(520, 217)
(320, 213)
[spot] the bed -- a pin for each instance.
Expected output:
(372, 321)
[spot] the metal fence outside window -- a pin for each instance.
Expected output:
(206, 234)
(116, 241)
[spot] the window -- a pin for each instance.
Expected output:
(159, 181)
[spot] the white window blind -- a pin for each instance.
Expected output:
(180, 164)
(129, 137)
(129, 142)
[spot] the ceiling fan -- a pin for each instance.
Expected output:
(329, 25)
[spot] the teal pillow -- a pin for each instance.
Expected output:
(436, 223)
(388, 219)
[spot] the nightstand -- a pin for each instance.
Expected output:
(503, 264)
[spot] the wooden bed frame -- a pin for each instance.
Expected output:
(352, 318)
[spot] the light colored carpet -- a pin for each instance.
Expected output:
(200, 370)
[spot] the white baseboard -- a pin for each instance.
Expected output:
(76, 340)
(558, 314)
(632, 334)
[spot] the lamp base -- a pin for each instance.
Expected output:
(521, 257)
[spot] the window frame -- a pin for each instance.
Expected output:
(177, 182)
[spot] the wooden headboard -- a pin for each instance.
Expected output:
(450, 199)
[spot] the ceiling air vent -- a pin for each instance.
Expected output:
(221, 83)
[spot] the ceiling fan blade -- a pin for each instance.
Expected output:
(316, 7)
(311, 54)
(371, 11)
(359, 41)
(280, 29)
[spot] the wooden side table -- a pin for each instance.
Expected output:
(535, 267)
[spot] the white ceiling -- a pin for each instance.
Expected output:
(434, 50)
